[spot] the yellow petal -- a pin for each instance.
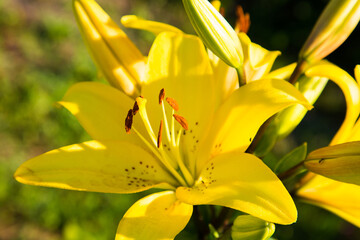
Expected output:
(157, 216)
(116, 56)
(357, 73)
(226, 81)
(239, 118)
(243, 182)
(257, 60)
(282, 73)
(340, 198)
(132, 21)
(351, 91)
(101, 110)
(179, 64)
(112, 167)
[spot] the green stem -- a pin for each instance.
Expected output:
(290, 172)
(297, 71)
(241, 76)
(203, 229)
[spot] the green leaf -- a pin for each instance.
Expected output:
(290, 160)
(251, 228)
(340, 162)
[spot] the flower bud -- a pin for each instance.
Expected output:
(115, 55)
(215, 31)
(251, 228)
(335, 24)
(340, 162)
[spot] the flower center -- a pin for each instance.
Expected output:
(167, 150)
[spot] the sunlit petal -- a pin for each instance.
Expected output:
(132, 21)
(243, 182)
(157, 216)
(282, 73)
(351, 91)
(340, 198)
(239, 118)
(257, 60)
(101, 110)
(113, 167)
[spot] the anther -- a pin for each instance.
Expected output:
(173, 103)
(160, 134)
(242, 20)
(129, 121)
(182, 121)
(135, 108)
(161, 95)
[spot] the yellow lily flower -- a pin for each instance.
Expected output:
(197, 156)
(338, 197)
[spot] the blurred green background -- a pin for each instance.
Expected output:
(42, 54)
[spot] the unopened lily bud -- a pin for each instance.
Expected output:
(117, 58)
(340, 162)
(251, 228)
(215, 31)
(335, 24)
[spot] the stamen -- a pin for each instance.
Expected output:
(182, 121)
(135, 108)
(160, 134)
(173, 103)
(161, 95)
(242, 21)
(129, 121)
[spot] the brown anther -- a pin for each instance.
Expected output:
(135, 108)
(173, 103)
(161, 95)
(129, 121)
(222, 11)
(242, 20)
(160, 134)
(182, 121)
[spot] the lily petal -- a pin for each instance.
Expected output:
(111, 167)
(239, 118)
(357, 73)
(101, 110)
(116, 56)
(282, 73)
(340, 198)
(179, 64)
(351, 91)
(243, 182)
(226, 79)
(132, 21)
(257, 60)
(157, 216)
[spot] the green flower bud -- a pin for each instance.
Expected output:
(215, 31)
(251, 228)
(335, 24)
